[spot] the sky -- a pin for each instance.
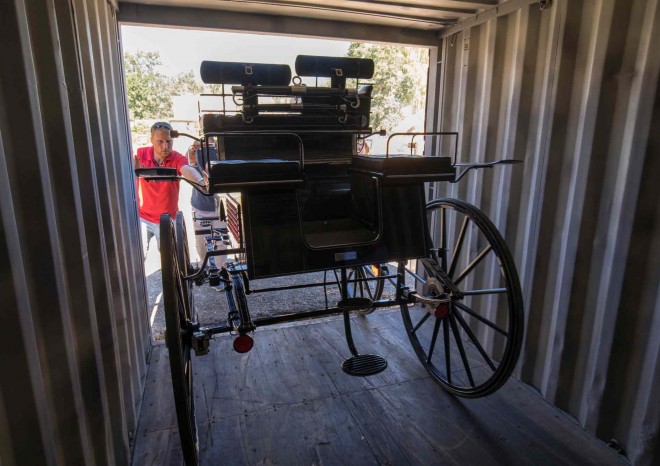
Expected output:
(182, 50)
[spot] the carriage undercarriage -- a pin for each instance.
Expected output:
(365, 220)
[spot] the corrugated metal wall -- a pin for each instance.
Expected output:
(73, 325)
(573, 91)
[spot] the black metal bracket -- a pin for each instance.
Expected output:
(168, 174)
(474, 166)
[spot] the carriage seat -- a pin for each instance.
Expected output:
(237, 175)
(404, 169)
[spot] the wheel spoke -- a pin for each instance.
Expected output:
(445, 331)
(414, 275)
(485, 291)
(430, 266)
(337, 279)
(419, 324)
(473, 264)
(443, 228)
(443, 237)
(461, 350)
(459, 246)
(476, 343)
(481, 319)
(363, 284)
(368, 288)
(434, 338)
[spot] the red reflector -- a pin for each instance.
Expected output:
(243, 343)
(442, 310)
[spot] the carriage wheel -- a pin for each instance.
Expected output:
(469, 344)
(372, 289)
(176, 300)
(185, 266)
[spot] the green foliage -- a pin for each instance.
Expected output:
(146, 88)
(213, 88)
(185, 83)
(399, 80)
(149, 91)
(140, 133)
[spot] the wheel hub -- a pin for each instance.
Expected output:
(434, 289)
(442, 310)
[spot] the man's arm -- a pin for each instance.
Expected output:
(191, 174)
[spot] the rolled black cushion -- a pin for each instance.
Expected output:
(325, 67)
(433, 168)
(256, 74)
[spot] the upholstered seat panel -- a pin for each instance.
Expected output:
(433, 168)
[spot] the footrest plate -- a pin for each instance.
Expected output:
(354, 304)
(364, 364)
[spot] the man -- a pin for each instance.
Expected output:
(159, 197)
(204, 211)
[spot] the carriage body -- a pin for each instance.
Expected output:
(284, 233)
(299, 198)
(308, 203)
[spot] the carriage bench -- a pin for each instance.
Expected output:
(404, 169)
(227, 175)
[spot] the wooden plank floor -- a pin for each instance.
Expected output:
(287, 402)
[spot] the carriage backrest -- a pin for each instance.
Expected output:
(325, 118)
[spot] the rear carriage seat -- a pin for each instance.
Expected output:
(248, 170)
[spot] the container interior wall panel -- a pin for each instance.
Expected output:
(572, 90)
(74, 334)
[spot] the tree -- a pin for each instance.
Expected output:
(147, 89)
(400, 80)
(185, 83)
(213, 88)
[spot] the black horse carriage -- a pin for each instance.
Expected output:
(297, 198)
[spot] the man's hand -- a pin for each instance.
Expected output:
(136, 162)
(192, 153)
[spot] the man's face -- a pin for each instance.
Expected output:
(162, 143)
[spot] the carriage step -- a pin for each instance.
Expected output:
(354, 304)
(364, 364)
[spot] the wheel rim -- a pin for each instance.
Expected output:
(364, 287)
(471, 343)
(176, 300)
(185, 266)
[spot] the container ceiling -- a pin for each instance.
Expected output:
(417, 14)
(415, 21)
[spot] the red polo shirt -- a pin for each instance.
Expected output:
(158, 197)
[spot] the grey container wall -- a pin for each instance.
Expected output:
(573, 91)
(74, 336)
